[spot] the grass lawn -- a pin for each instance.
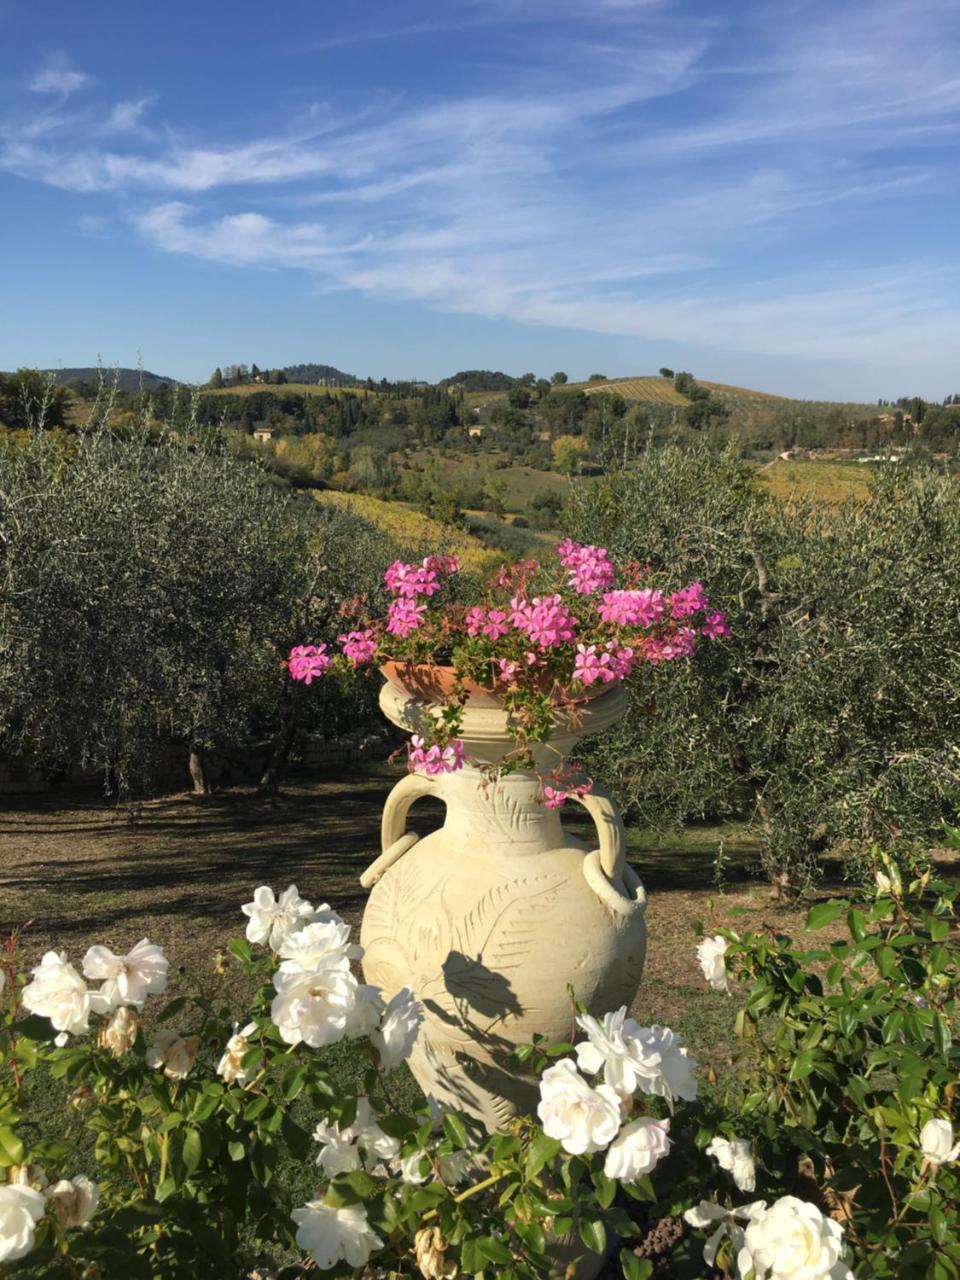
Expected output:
(82, 872)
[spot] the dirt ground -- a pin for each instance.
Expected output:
(82, 871)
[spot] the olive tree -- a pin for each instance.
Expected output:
(832, 712)
(147, 593)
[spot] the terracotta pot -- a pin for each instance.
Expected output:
(436, 684)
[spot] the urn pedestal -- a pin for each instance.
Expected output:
(491, 918)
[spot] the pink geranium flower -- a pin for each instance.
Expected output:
(553, 798)
(715, 626)
(548, 622)
(474, 620)
(434, 760)
(688, 601)
(359, 647)
(589, 567)
(590, 666)
(415, 580)
(632, 608)
(307, 661)
(496, 624)
(404, 617)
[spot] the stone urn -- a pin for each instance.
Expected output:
(492, 917)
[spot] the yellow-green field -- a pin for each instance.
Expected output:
(824, 482)
(416, 534)
(657, 390)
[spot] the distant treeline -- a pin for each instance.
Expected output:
(317, 437)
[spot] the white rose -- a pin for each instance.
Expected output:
(20, 1209)
(331, 1235)
(272, 919)
(736, 1156)
(793, 1240)
(120, 1032)
(369, 1134)
(315, 1008)
(724, 1222)
(711, 952)
(230, 1067)
(366, 1012)
(131, 978)
(341, 1148)
(59, 993)
(615, 1046)
(325, 944)
(637, 1148)
(672, 1077)
(398, 1030)
(452, 1168)
(173, 1052)
(936, 1142)
(74, 1202)
(582, 1118)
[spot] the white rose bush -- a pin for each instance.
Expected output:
(281, 1137)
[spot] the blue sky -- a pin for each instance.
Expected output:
(764, 193)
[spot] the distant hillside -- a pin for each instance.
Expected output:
(480, 380)
(126, 379)
(286, 389)
(314, 372)
(659, 390)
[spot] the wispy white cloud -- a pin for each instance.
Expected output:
(640, 177)
(58, 77)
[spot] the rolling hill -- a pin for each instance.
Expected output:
(658, 390)
(126, 379)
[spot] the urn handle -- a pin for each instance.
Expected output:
(395, 841)
(605, 869)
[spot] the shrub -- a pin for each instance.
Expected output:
(831, 713)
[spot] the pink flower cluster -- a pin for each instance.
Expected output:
(403, 616)
(359, 647)
(410, 580)
(589, 568)
(678, 644)
(632, 608)
(407, 581)
(611, 663)
(688, 601)
(307, 661)
(487, 622)
(435, 759)
(715, 626)
(545, 619)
